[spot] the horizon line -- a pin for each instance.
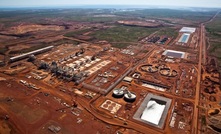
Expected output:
(105, 6)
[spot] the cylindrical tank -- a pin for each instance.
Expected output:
(118, 93)
(130, 97)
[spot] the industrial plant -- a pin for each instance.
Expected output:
(108, 73)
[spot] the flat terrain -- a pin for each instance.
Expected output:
(90, 70)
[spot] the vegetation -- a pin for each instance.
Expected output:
(170, 32)
(203, 119)
(75, 33)
(3, 50)
(11, 17)
(122, 36)
(214, 27)
(63, 41)
(93, 15)
(120, 45)
(187, 15)
(214, 33)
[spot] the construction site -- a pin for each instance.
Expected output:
(152, 87)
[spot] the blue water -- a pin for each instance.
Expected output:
(184, 38)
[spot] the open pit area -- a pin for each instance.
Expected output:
(102, 72)
(25, 28)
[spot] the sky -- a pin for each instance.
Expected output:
(45, 3)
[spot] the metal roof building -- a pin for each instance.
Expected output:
(174, 54)
(187, 30)
(25, 55)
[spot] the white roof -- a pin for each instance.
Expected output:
(128, 79)
(32, 52)
(173, 51)
(187, 30)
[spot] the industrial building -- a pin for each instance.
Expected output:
(25, 55)
(153, 110)
(187, 30)
(174, 54)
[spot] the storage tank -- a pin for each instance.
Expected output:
(130, 97)
(118, 93)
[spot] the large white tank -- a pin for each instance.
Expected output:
(118, 93)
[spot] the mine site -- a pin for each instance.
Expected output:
(110, 71)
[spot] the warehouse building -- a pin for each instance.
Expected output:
(174, 54)
(26, 55)
(187, 30)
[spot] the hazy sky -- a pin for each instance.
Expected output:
(43, 3)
